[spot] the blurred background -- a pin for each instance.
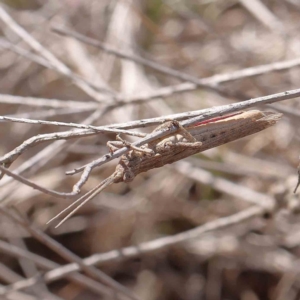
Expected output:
(247, 48)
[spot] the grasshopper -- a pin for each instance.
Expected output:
(181, 144)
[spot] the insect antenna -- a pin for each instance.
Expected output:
(85, 198)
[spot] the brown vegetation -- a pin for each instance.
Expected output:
(222, 224)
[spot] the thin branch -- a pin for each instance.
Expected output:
(9, 276)
(148, 63)
(50, 113)
(68, 255)
(36, 186)
(44, 156)
(158, 244)
(207, 112)
(47, 264)
(41, 61)
(97, 129)
(10, 157)
(43, 102)
(34, 44)
(193, 82)
(148, 247)
(161, 92)
(5, 44)
(30, 269)
(38, 160)
(215, 79)
(264, 15)
(19, 285)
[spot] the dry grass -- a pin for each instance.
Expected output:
(189, 230)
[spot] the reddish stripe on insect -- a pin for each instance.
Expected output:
(215, 119)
